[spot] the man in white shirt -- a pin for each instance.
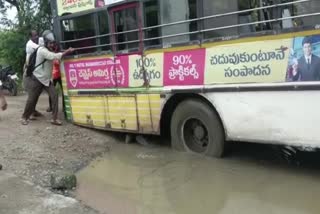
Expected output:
(42, 78)
(31, 46)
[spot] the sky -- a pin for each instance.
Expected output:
(11, 14)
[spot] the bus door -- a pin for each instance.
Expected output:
(126, 44)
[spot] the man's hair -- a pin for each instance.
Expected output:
(31, 33)
(48, 36)
(307, 40)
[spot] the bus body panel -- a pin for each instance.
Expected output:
(214, 57)
(138, 113)
(277, 117)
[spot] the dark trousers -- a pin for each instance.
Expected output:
(35, 90)
(55, 82)
(26, 85)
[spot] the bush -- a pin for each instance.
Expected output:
(12, 49)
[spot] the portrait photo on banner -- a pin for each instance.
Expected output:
(304, 60)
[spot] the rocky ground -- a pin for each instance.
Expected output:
(19, 196)
(37, 151)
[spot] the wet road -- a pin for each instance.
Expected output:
(135, 179)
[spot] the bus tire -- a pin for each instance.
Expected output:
(196, 127)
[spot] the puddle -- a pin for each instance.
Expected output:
(132, 179)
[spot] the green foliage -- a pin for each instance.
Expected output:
(12, 49)
(32, 14)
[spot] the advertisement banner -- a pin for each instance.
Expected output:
(304, 61)
(73, 6)
(97, 73)
(269, 61)
(149, 68)
(254, 62)
(184, 67)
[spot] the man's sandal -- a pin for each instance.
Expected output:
(56, 122)
(32, 118)
(37, 114)
(24, 122)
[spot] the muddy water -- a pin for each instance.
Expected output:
(132, 179)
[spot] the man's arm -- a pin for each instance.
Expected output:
(48, 55)
(296, 76)
(296, 71)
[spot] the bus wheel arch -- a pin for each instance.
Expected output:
(193, 101)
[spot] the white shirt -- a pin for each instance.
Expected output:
(44, 72)
(30, 48)
(308, 59)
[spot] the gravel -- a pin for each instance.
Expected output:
(39, 150)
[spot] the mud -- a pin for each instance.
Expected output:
(134, 179)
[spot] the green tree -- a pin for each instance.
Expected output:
(12, 49)
(31, 14)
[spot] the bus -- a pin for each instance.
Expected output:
(205, 72)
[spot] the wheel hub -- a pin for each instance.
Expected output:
(199, 132)
(196, 135)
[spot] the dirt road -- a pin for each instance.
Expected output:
(40, 149)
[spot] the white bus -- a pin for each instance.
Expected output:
(204, 71)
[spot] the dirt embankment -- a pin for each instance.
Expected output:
(38, 150)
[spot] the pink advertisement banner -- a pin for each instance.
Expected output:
(184, 67)
(97, 73)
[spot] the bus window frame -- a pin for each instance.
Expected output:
(147, 47)
(121, 7)
(200, 19)
(94, 12)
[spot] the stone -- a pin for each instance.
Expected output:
(63, 181)
(142, 140)
(129, 138)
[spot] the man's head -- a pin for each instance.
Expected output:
(49, 40)
(34, 36)
(307, 46)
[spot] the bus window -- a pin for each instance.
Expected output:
(193, 14)
(78, 28)
(151, 18)
(245, 22)
(309, 7)
(218, 7)
(126, 20)
(104, 31)
(175, 11)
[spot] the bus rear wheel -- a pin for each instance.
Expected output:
(196, 128)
